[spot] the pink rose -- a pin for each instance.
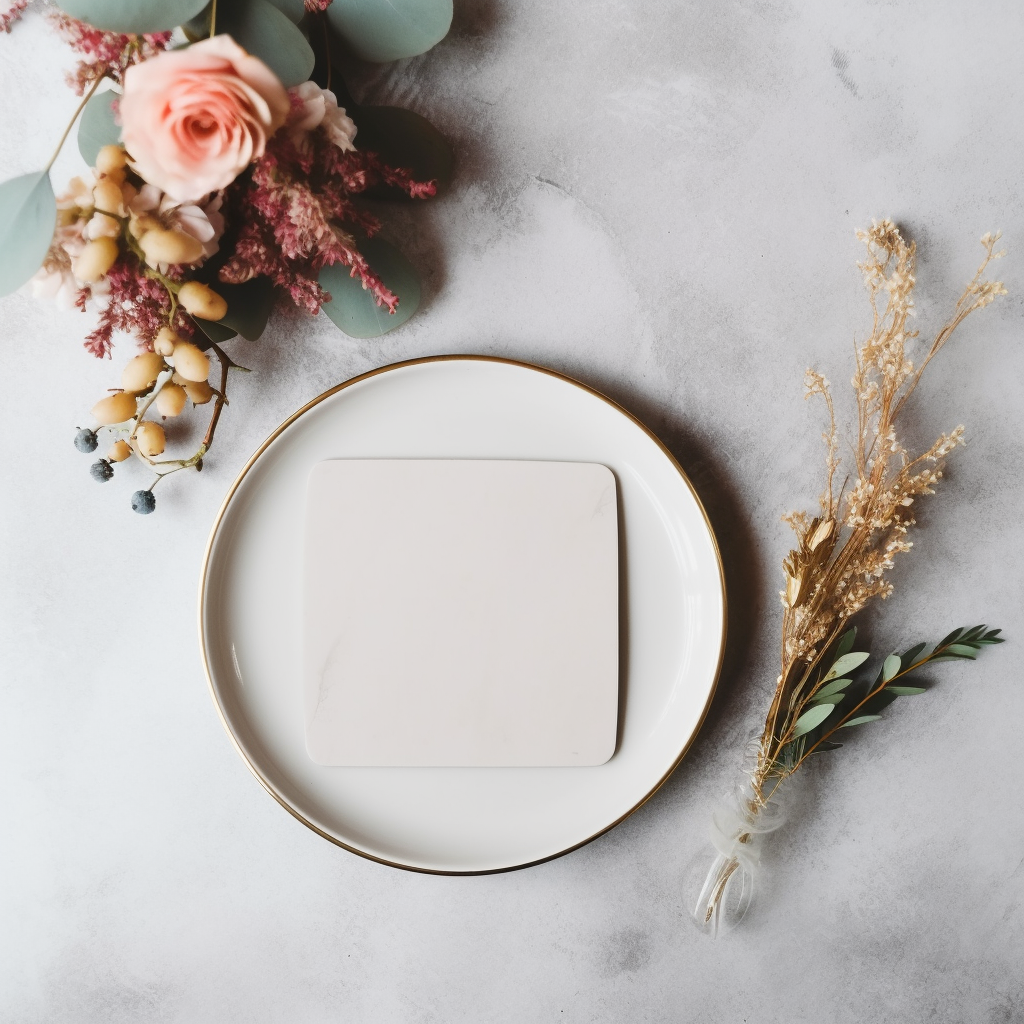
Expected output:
(194, 119)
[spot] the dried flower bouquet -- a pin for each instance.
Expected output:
(839, 564)
(224, 177)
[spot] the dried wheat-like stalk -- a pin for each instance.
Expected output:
(843, 554)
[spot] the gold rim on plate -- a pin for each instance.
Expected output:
(268, 786)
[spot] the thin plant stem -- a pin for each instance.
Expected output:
(67, 131)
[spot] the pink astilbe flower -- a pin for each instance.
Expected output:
(138, 305)
(106, 53)
(11, 11)
(297, 204)
(315, 6)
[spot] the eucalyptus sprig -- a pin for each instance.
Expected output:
(842, 559)
(837, 700)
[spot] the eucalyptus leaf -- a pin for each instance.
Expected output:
(905, 691)
(97, 127)
(386, 30)
(847, 663)
(860, 720)
(293, 10)
(267, 33)
(135, 16)
(890, 667)
(973, 633)
(832, 688)
(950, 637)
(403, 139)
(812, 718)
(28, 218)
(249, 306)
(352, 307)
(214, 330)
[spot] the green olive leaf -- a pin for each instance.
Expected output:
(847, 663)
(832, 688)
(961, 651)
(28, 218)
(812, 718)
(860, 720)
(845, 643)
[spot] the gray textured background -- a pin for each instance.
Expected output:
(659, 198)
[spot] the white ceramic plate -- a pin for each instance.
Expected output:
(463, 820)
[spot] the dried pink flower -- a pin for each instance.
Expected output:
(297, 202)
(106, 53)
(10, 12)
(138, 305)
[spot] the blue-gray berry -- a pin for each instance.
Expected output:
(143, 502)
(101, 471)
(86, 440)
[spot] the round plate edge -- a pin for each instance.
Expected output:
(349, 383)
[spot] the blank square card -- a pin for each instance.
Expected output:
(460, 613)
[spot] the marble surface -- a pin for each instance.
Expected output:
(660, 199)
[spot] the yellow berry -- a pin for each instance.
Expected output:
(190, 362)
(107, 197)
(140, 223)
(119, 451)
(149, 438)
(170, 400)
(199, 391)
(110, 158)
(114, 408)
(202, 301)
(93, 262)
(162, 246)
(141, 371)
(165, 341)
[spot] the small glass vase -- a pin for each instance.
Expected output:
(752, 809)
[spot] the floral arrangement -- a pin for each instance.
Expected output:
(840, 564)
(225, 176)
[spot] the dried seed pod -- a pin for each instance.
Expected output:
(149, 438)
(115, 408)
(162, 246)
(202, 301)
(190, 362)
(170, 400)
(119, 451)
(141, 371)
(93, 262)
